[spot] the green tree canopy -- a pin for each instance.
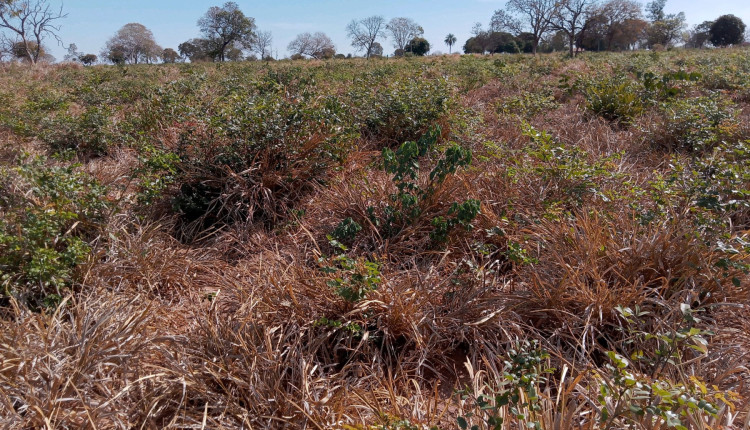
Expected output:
(227, 27)
(418, 46)
(727, 30)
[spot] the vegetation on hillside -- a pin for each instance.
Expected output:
(451, 242)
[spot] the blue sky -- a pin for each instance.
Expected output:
(90, 23)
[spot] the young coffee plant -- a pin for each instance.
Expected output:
(617, 99)
(516, 397)
(628, 396)
(46, 217)
(352, 278)
(694, 125)
(407, 206)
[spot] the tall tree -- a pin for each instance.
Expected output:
(535, 16)
(727, 30)
(169, 55)
(615, 25)
(133, 43)
(402, 31)
(73, 54)
(665, 28)
(88, 59)
(262, 44)
(365, 33)
(418, 46)
(503, 22)
(570, 18)
(699, 35)
(317, 45)
(198, 50)
(450, 40)
(19, 51)
(377, 50)
(30, 22)
(227, 27)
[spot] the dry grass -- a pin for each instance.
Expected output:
(241, 328)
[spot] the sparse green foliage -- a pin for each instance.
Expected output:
(628, 396)
(525, 371)
(353, 278)
(694, 125)
(407, 205)
(48, 214)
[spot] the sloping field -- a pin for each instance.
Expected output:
(500, 242)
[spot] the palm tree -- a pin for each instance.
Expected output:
(450, 40)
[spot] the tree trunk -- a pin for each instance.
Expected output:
(571, 41)
(29, 54)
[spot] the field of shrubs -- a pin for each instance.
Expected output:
(458, 242)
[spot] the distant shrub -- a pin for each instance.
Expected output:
(693, 125)
(400, 110)
(615, 99)
(257, 156)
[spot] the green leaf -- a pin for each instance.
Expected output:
(462, 423)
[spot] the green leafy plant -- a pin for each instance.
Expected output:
(346, 230)
(517, 394)
(566, 172)
(352, 278)
(156, 171)
(407, 205)
(694, 125)
(616, 99)
(627, 395)
(399, 110)
(47, 215)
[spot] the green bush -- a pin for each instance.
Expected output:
(693, 125)
(409, 204)
(89, 134)
(257, 155)
(48, 213)
(400, 110)
(616, 99)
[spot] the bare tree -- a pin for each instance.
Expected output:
(262, 44)
(30, 22)
(504, 22)
(665, 28)
(226, 27)
(570, 17)
(4, 50)
(535, 16)
(366, 32)
(403, 30)
(477, 29)
(317, 45)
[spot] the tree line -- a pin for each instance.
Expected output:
(591, 25)
(531, 26)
